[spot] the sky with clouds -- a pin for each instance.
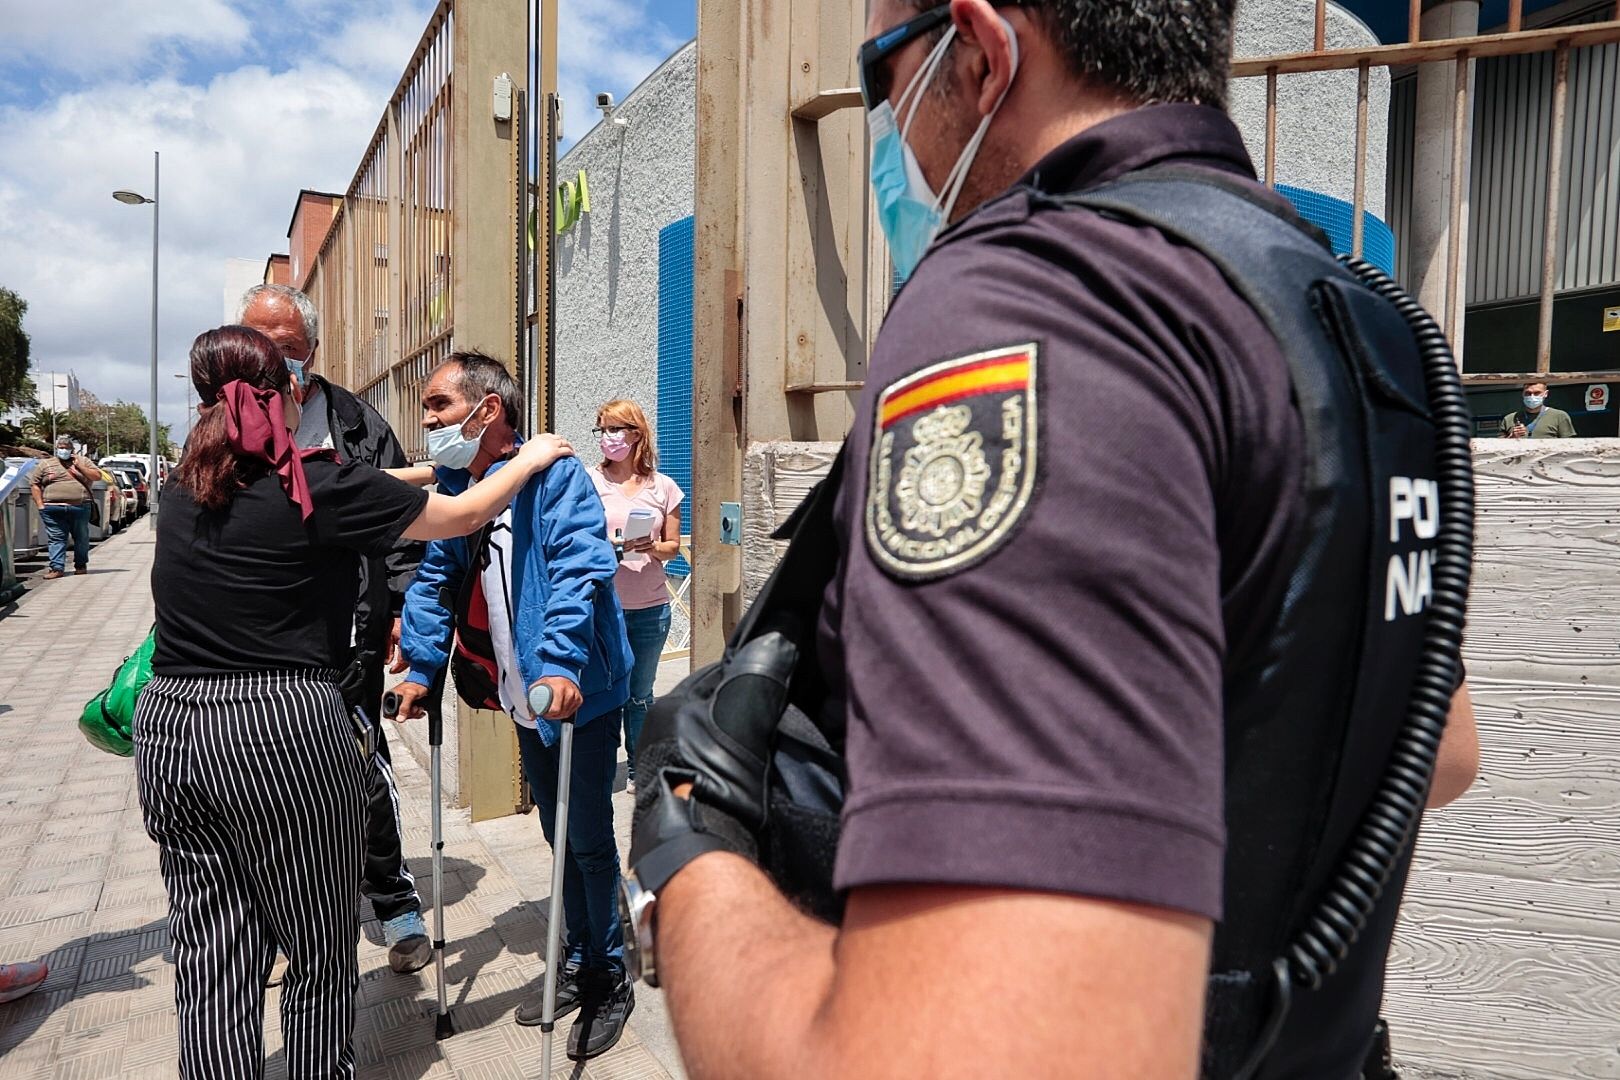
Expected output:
(248, 102)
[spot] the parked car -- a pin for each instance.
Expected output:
(137, 482)
(143, 462)
(112, 505)
(126, 488)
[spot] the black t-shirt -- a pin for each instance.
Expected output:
(252, 587)
(1071, 489)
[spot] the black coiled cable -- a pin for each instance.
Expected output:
(1387, 827)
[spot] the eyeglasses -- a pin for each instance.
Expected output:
(612, 429)
(876, 73)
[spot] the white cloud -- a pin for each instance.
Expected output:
(236, 148)
(604, 45)
(235, 153)
(379, 44)
(90, 36)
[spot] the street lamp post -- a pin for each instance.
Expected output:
(131, 198)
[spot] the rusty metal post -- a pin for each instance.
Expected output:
(1358, 225)
(1459, 120)
(1549, 232)
(1271, 128)
(1414, 22)
(1321, 26)
(1515, 16)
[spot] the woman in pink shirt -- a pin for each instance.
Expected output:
(628, 482)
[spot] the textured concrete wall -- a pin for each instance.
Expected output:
(1507, 962)
(641, 179)
(1316, 112)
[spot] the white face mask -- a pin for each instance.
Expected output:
(1533, 401)
(451, 447)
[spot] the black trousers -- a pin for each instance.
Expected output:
(254, 787)
(388, 883)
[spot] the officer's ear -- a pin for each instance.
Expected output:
(989, 41)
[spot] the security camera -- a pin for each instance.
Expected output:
(604, 101)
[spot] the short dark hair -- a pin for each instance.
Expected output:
(1149, 51)
(1534, 382)
(479, 375)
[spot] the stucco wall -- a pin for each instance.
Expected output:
(641, 179)
(1316, 112)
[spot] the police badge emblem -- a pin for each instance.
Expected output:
(953, 462)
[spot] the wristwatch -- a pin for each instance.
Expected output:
(638, 917)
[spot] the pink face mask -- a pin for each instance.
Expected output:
(616, 445)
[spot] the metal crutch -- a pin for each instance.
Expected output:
(443, 1025)
(540, 704)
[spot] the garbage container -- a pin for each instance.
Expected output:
(101, 517)
(16, 506)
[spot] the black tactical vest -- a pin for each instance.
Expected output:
(1314, 709)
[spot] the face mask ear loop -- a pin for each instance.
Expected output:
(921, 81)
(952, 187)
(462, 427)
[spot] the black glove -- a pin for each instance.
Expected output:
(714, 732)
(353, 679)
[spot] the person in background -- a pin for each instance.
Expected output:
(1537, 420)
(332, 418)
(252, 769)
(628, 480)
(61, 490)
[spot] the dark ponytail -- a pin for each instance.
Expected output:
(211, 470)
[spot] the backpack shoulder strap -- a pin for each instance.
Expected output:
(1277, 263)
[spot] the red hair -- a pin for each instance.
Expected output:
(644, 459)
(210, 469)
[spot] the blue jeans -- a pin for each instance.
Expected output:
(61, 522)
(647, 629)
(591, 929)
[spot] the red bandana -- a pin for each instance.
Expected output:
(254, 428)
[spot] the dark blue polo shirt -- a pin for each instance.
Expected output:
(1071, 482)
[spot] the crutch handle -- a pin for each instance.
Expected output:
(390, 703)
(539, 700)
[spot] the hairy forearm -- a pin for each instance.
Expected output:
(748, 977)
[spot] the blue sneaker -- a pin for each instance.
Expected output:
(408, 946)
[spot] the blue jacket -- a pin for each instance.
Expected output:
(565, 611)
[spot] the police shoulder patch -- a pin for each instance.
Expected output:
(953, 462)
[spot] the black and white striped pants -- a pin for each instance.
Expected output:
(254, 787)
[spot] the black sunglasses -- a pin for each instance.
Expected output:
(876, 76)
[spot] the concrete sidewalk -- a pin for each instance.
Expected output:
(79, 884)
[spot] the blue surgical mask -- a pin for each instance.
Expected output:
(451, 448)
(65, 455)
(1533, 401)
(908, 210)
(300, 371)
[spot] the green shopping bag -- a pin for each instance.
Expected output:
(108, 717)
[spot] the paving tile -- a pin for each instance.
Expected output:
(81, 886)
(37, 1058)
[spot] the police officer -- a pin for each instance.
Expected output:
(1069, 507)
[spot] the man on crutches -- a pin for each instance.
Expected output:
(537, 634)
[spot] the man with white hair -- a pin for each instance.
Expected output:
(336, 419)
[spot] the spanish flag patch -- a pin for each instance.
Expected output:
(953, 463)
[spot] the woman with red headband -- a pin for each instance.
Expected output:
(251, 770)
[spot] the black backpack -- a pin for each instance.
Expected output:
(472, 657)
